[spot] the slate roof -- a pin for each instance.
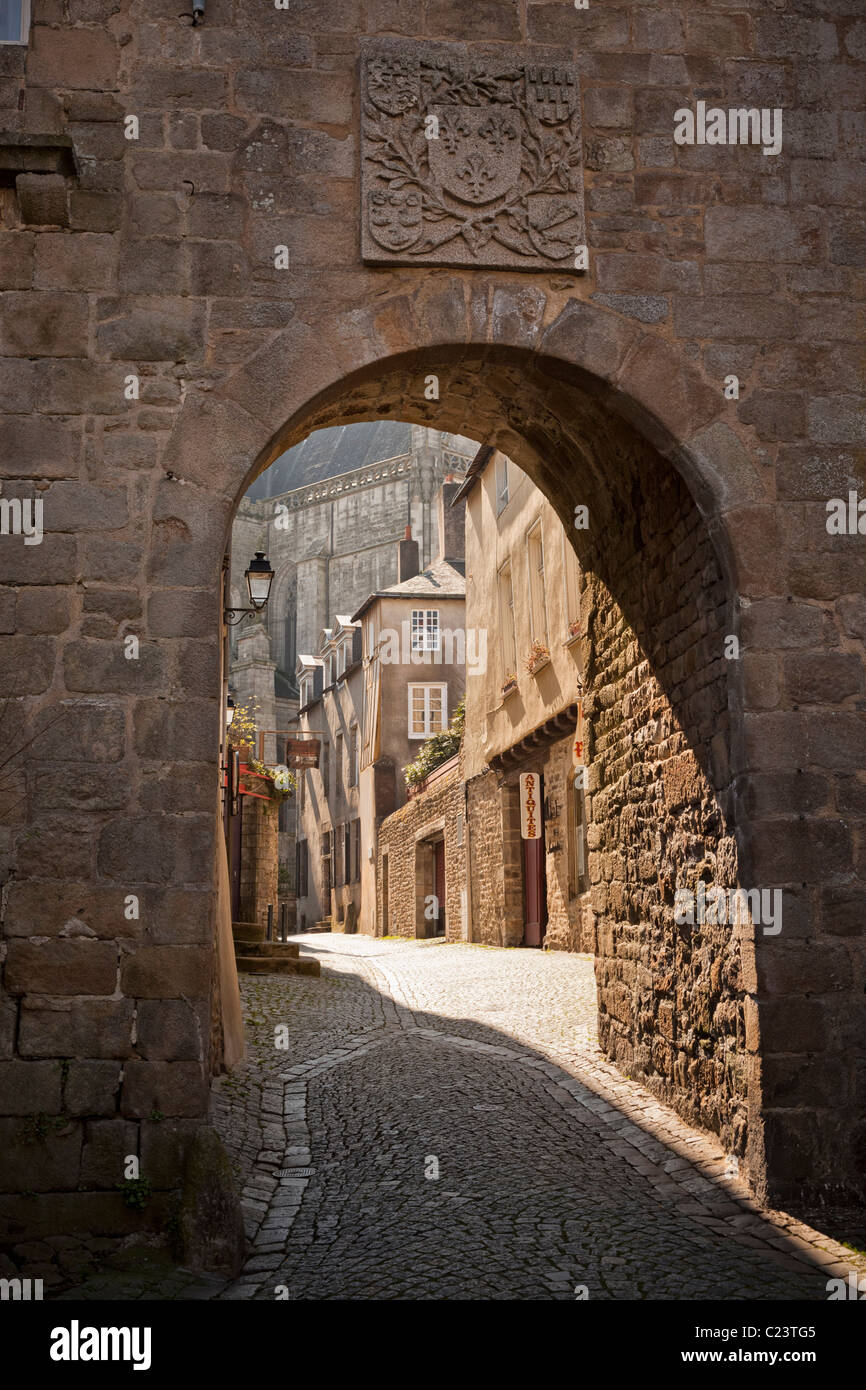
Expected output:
(329, 452)
(437, 580)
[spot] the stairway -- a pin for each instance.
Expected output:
(256, 956)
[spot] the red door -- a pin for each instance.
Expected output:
(534, 892)
(439, 886)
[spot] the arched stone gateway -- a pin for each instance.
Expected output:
(148, 265)
(603, 415)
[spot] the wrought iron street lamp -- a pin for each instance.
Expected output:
(259, 577)
(230, 711)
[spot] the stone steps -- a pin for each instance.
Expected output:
(277, 965)
(256, 956)
(275, 950)
(248, 931)
(322, 926)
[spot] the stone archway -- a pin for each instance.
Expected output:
(601, 414)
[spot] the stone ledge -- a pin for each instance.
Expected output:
(36, 154)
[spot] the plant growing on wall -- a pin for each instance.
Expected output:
(243, 732)
(437, 749)
(244, 726)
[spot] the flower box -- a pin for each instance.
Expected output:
(539, 656)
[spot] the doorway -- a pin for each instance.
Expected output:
(439, 887)
(534, 892)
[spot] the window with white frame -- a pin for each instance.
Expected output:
(537, 604)
(304, 691)
(14, 21)
(425, 629)
(501, 483)
(427, 710)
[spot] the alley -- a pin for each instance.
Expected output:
(442, 1125)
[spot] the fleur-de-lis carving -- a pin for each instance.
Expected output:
(452, 129)
(497, 132)
(476, 172)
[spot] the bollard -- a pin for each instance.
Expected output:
(270, 921)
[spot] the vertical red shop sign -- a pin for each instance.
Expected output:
(530, 809)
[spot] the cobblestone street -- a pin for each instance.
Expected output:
(555, 1173)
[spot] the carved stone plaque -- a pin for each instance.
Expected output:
(467, 162)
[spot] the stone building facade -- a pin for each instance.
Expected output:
(329, 514)
(259, 885)
(415, 664)
(411, 901)
(182, 307)
(331, 539)
(524, 587)
(329, 847)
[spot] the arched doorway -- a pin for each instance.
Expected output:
(605, 419)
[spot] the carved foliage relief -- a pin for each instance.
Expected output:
(469, 163)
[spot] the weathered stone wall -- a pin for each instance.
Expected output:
(155, 259)
(670, 998)
(496, 871)
(570, 917)
(259, 855)
(433, 812)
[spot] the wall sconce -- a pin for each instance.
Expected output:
(230, 711)
(259, 577)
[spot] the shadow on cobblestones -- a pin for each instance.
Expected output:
(442, 1125)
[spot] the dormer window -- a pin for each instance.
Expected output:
(14, 21)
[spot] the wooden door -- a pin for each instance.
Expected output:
(534, 892)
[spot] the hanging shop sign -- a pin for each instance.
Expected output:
(577, 744)
(303, 752)
(530, 806)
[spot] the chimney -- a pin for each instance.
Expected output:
(452, 524)
(408, 561)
